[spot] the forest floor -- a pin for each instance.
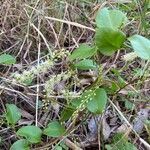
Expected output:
(46, 87)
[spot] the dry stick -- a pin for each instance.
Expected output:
(70, 23)
(28, 26)
(63, 138)
(61, 28)
(37, 89)
(55, 35)
(44, 39)
(127, 122)
(18, 92)
(120, 1)
(64, 21)
(71, 145)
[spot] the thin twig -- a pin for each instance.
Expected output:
(37, 89)
(44, 39)
(127, 122)
(70, 23)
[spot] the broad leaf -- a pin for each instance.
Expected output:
(108, 40)
(83, 99)
(66, 113)
(31, 133)
(98, 101)
(54, 129)
(86, 64)
(7, 59)
(12, 114)
(20, 145)
(141, 46)
(84, 51)
(110, 18)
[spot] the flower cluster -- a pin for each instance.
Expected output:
(86, 97)
(52, 83)
(27, 76)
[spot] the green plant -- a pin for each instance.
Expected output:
(7, 59)
(20, 145)
(12, 114)
(54, 129)
(120, 141)
(109, 38)
(31, 134)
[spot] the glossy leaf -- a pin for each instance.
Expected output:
(7, 59)
(98, 102)
(108, 40)
(110, 18)
(141, 46)
(20, 145)
(31, 133)
(86, 64)
(83, 51)
(54, 129)
(12, 114)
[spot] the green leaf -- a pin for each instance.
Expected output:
(98, 102)
(66, 114)
(84, 97)
(31, 133)
(141, 46)
(86, 64)
(108, 40)
(84, 51)
(120, 141)
(58, 148)
(20, 145)
(108, 147)
(7, 59)
(12, 114)
(76, 102)
(54, 129)
(110, 18)
(129, 105)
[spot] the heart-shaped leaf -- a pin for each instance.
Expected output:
(98, 101)
(110, 18)
(108, 40)
(83, 51)
(20, 145)
(12, 114)
(54, 129)
(141, 46)
(86, 64)
(7, 59)
(31, 133)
